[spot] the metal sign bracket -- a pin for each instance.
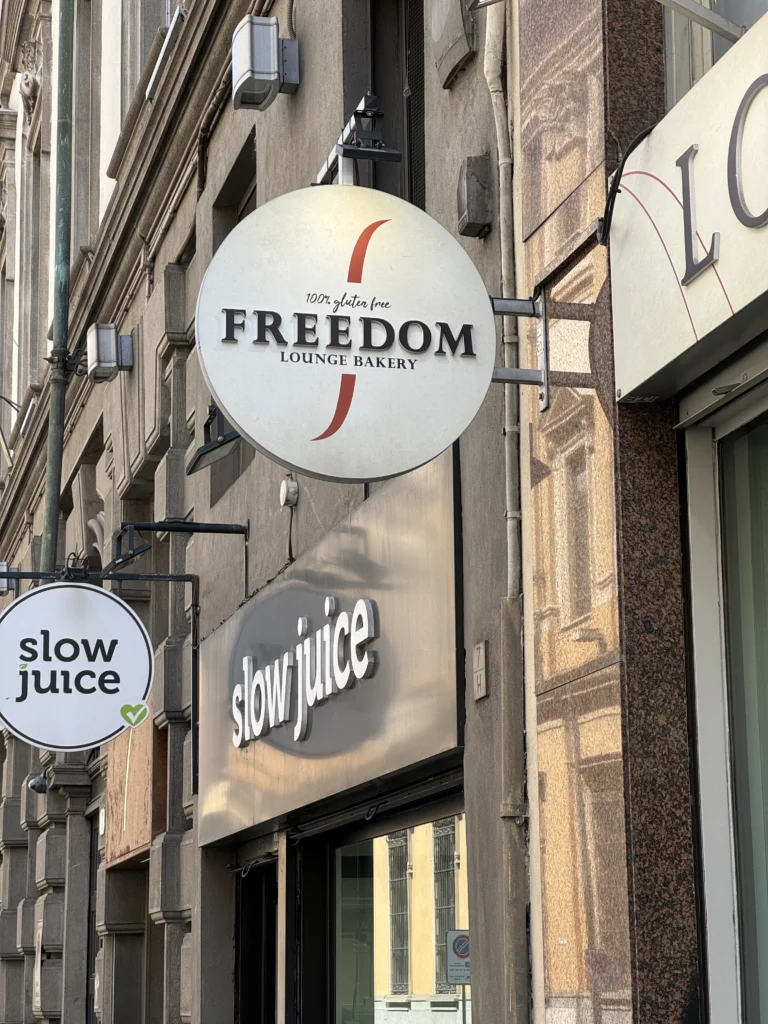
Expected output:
(122, 557)
(542, 377)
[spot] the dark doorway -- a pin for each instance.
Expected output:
(256, 944)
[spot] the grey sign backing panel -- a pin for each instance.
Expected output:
(397, 551)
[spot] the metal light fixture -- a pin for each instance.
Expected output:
(218, 442)
(263, 64)
(108, 352)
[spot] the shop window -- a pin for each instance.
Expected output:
(397, 49)
(396, 897)
(692, 49)
(398, 911)
(444, 853)
(745, 538)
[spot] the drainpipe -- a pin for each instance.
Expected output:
(513, 808)
(58, 358)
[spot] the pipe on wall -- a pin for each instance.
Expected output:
(517, 997)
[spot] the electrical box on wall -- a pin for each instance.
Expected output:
(474, 197)
(453, 38)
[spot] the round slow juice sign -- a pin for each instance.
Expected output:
(345, 333)
(78, 667)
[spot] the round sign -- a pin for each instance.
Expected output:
(79, 667)
(345, 333)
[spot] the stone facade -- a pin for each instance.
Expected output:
(109, 909)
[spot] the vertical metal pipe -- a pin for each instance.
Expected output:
(58, 359)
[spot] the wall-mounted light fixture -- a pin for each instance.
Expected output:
(263, 64)
(219, 441)
(108, 352)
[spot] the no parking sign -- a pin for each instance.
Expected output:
(458, 958)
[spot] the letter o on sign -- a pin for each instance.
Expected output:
(735, 183)
(345, 333)
(78, 666)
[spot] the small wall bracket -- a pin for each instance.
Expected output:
(534, 307)
(537, 308)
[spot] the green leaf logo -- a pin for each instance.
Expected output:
(22, 667)
(134, 714)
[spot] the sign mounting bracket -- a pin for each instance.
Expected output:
(121, 557)
(538, 309)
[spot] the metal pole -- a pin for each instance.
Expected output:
(63, 241)
(463, 1004)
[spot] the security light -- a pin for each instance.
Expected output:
(108, 352)
(263, 64)
(220, 442)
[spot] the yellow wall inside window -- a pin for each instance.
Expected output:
(421, 907)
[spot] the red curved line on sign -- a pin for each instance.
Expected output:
(346, 391)
(678, 200)
(666, 250)
(355, 275)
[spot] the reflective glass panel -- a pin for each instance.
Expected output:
(397, 898)
(745, 541)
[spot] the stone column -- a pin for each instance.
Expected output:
(13, 878)
(70, 777)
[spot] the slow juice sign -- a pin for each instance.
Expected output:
(78, 667)
(345, 333)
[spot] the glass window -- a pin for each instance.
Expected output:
(692, 49)
(444, 842)
(396, 898)
(398, 910)
(745, 539)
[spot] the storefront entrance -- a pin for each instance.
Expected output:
(256, 944)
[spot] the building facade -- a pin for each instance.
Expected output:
(553, 734)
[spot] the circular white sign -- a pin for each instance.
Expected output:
(345, 333)
(78, 667)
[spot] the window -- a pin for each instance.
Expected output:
(691, 49)
(395, 898)
(444, 851)
(86, 124)
(236, 199)
(397, 49)
(142, 19)
(728, 545)
(745, 540)
(398, 910)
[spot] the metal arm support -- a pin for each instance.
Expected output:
(120, 557)
(537, 308)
